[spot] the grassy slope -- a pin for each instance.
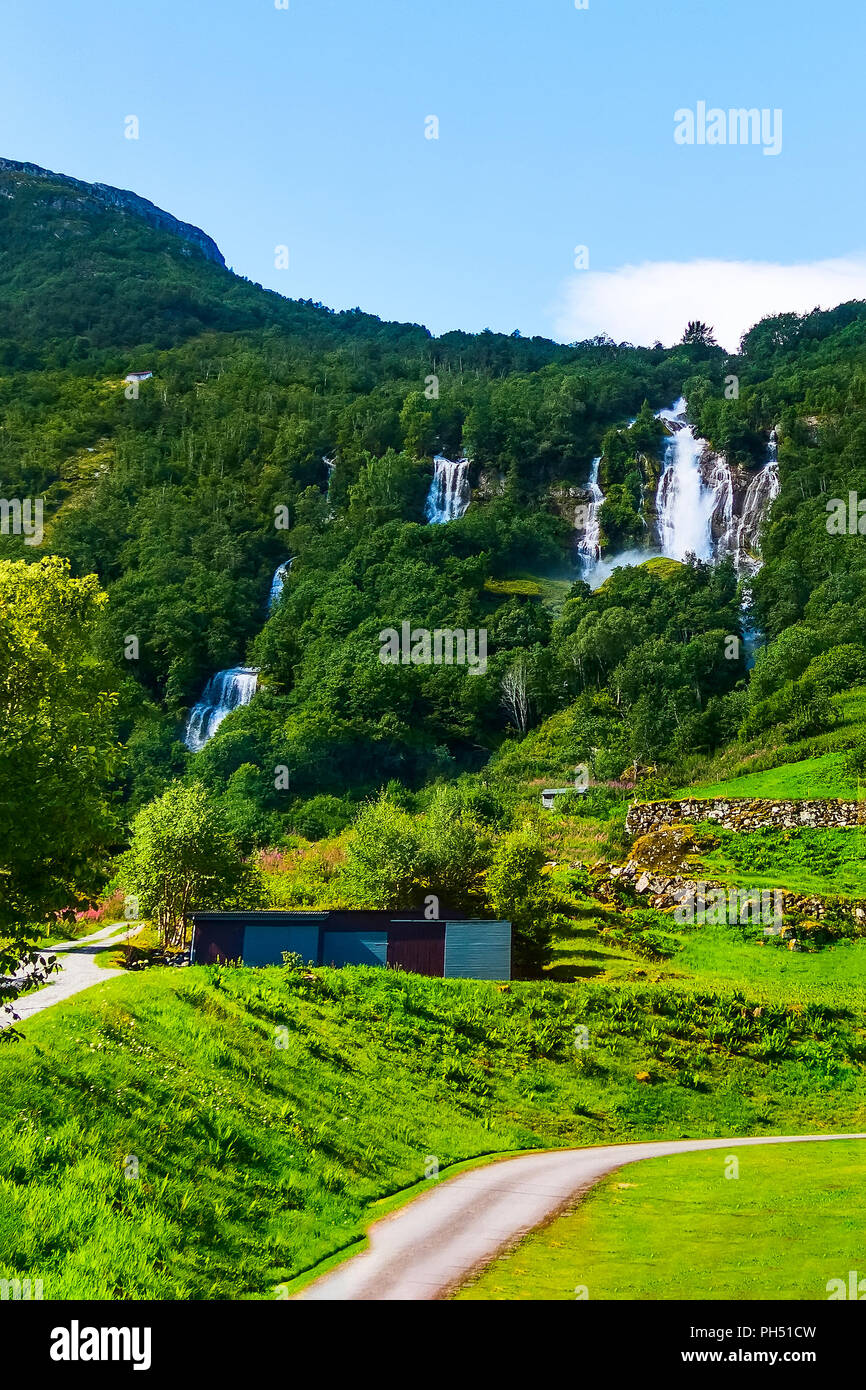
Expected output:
(678, 1228)
(813, 777)
(809, 768)
(828, 862)
(261, 1153)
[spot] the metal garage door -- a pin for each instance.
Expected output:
(478, 950)
(417, 946)
(264, 945)
(354, 947)
(218, 941)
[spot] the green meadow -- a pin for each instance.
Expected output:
(214, 1132)
(777, 1222)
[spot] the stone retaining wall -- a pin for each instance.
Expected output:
(744, 813)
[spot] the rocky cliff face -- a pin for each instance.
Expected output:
(742, 497)
(571, 503)
(64, 193)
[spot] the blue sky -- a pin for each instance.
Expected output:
(305, 127)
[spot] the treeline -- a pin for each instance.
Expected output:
(183, 498)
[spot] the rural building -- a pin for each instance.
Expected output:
(549, 795)
(138, 376)
(452, 946)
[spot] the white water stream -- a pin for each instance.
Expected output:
(449, 493)
(224, 692)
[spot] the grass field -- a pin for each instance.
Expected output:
(685, 1227)
(812, 777)
(828, 862)
(213, 1132)
(810, 767)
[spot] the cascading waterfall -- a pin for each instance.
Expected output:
(762, 490)
(695, 506)
(281, 574)
(589, 545)
(449, 493)
(684, 504)
(224, 692)
(722, 523)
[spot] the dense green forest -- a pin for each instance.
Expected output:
(183, 496)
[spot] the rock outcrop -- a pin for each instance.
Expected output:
(75, 195)
(664, 891)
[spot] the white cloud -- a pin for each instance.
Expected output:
(654, 301)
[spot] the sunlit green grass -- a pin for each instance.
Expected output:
(817, 861)
(773, 768)
(685, 1227)
(213, 1132)
(719, 957)
(813, 777)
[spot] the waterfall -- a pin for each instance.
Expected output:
(589, 545)
(722, 524)
(762, 490)
(695, 506)
(224, 692)
(281, 574)
(685, 506)
(448, 497)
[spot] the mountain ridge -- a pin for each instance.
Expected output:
(121, 198)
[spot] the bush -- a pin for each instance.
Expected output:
(293, 960)
(855, 759)
(322, 816)
(518, 891)
(838, 669)
(184, 857)
(598, 802)
(383, 860)
(801, 708)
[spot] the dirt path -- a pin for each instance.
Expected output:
(79, 971)
(432, 1245)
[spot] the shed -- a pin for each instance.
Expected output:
(549, 795)
(452, 945)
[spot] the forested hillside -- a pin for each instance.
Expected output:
(275, 429)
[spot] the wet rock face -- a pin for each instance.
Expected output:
(572, 504)
(743, 813)
(489, 484)
(742, 497)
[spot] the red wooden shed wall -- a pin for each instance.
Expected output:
(417, 946)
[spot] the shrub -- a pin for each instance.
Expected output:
(519, 892)
(322, 816)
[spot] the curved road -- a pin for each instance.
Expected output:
(78, 971)
(434, 1243)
